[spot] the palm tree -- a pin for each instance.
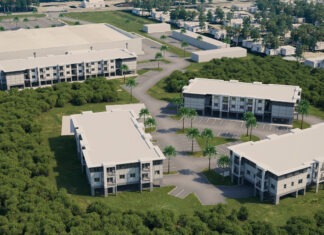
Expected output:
(158, 57)
(177, 101)
(16, 20)
(250, 122)
(150, 123)
(124, 68)
(209, 151)
(207, 134)
(143, 113)
(184, 45)
(199, 38)
(169, 152)
(192, 133)
(163, 37)
(223, 161)
(302, 109)
(182, 113)
(131, 83)
(192, 113)
(164, 48)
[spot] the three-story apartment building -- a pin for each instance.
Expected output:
(231, 99)
(280, 165)
(115, 152)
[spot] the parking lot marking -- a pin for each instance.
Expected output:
(179, 193)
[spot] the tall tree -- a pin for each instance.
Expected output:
(158, 58)
(144, 112)
(219, 14)
(163, 37)
(177, 101)
(169, 152)
(207, 134)
(192, 133)
(131, 83)
(223, 161)
(163, 49)
(192, 113)
(250, 122)
(303, 109)
(124, 68)
(150, 123)
(209, 151)
(183, 113)
(184, 45)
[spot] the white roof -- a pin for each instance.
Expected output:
(57, 37)
(135, 108)
(285, 153)
(257, 90)
(220, 51)
(204, 38)
(73, 57)
(114, 138)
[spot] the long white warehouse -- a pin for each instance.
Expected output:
(156, 28)
(205, 56)
(280, 165)
(115, 152)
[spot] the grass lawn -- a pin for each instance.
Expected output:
(316, 112)
(125, 21)
(153, 60)
(142, 71)
(297, 124)
(158, 92)
(215, 141)
(217, 179)
(245, 138)
(22, 16)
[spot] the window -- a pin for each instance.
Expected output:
(233, 106)
(260, 101)
(285, 185)
(248, 172)
(225, 99)
(242, 107)
(122, 177)
(292, 183)
(95, 169)
(132, 175)
(111, 61)
(233, 99)
(249, 109)
(272, 186)
(300, 181)
(96, 179)
(259, 108)
(156, 172)
(157, 162)
(110, 180)
(308, 176)
(111, 67)
(242, 99)
(215, 105)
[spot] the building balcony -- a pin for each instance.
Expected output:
(145, 179)
(145, 169)
(111, 173)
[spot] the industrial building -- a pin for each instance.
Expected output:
(156, 28)
(231, 99)
(198, 40)
(230, 52)
(115, 152)
(280, 165)
(26, 53)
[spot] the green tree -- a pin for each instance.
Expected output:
(209, 151)
(184, 45)
(163, 37)
(303, 109)
(144, 112)
(16, 20)
(183, 113)
(124, 68)
(219, 14)
(131, 83)
(177, 101)
(192, 113)
(210, 16)
(150, 123)
(299, 52)
(163, 49)
(250, 122)
(199, 38)
(158, 58)
(169, 152)
(223, 161)
(207, 134)
(192, 133)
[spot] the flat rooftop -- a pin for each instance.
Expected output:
(114, 138)
(33, 39)
(220, 51)
(74, 57)
(257, 90)
(285, 153)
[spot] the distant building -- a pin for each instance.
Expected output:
(140, 12)
(115, 152)
(315, 62)
(157, 28)
(231, 99)
(319, 46)
(194, 26)
(161, 16)
(204, 43)
(230, 52)
(280, 165)
(217, 31)
(37, 57)
(93, 4)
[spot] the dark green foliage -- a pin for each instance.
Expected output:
(267, 70)
(243, 213)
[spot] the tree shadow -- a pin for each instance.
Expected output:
(68, 169)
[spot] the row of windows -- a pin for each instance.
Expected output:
(131, 175)
(226, 99)
(300, 181)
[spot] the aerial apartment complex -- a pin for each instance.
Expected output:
(37, 57)
(115, 152)
(280, 165)
(231, 99)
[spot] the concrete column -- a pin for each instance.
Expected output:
(239, 172)
(262, 185)
(92, 191)
(232, 169)
(277, 199)
(296, 194)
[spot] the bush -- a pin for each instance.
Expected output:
(243, 213)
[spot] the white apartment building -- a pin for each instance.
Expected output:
(280, 165)
(231, 99)
(115, 152)
(76, 66)
(315, 62)
(93, 4)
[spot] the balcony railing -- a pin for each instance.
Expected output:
(145, 169)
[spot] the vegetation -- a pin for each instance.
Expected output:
(217, 179)
(10, 16)
(245, 138)
(303, 109)
(192, 134)
(158, 58)
(250, 122)
(144, 112)
(298, 123)
(131, 83)
(209, 152)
